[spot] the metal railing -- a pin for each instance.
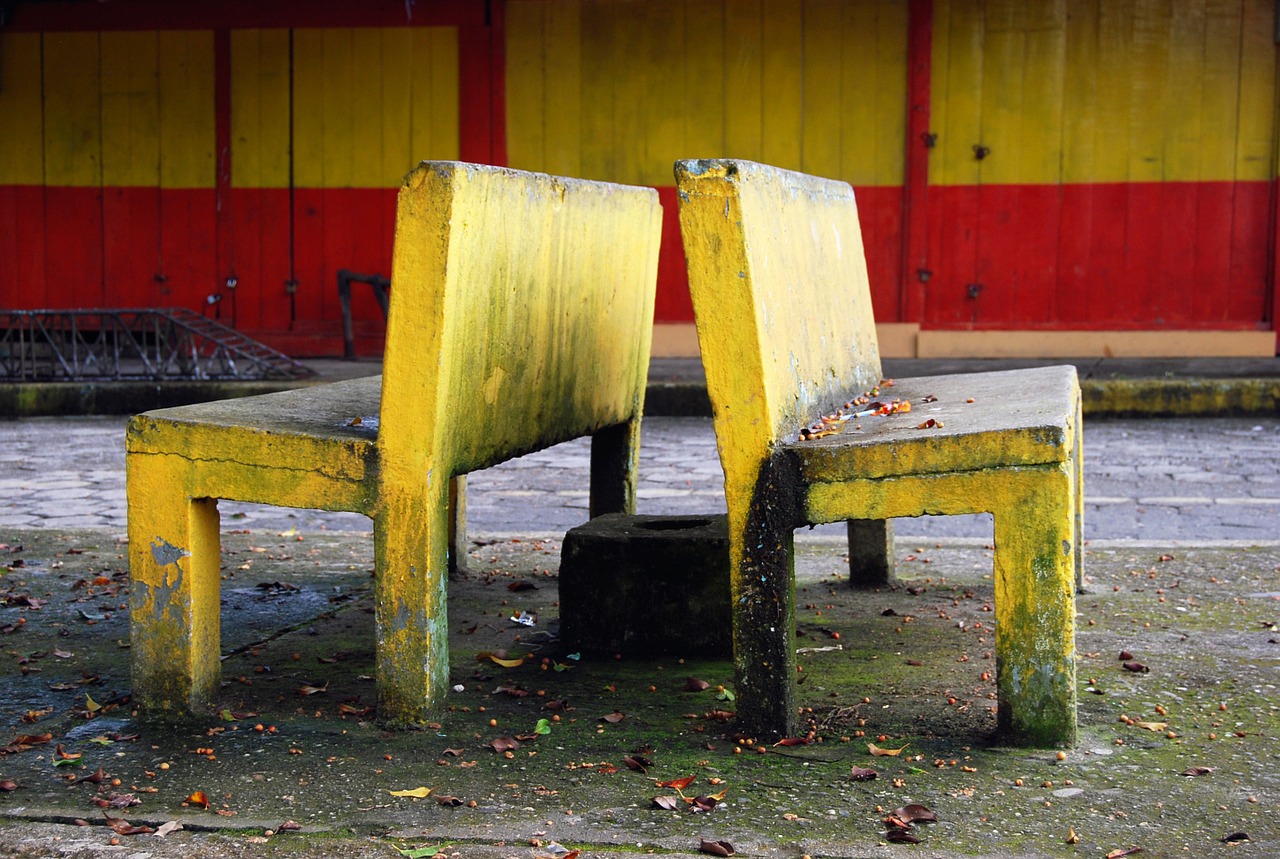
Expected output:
(132, 344)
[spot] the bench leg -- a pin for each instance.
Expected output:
(174, 602)
(615, 463)
(411, 554)
(762, 588)
(1077, 458)
(1035, 569)
(458, 524)
(871, 561)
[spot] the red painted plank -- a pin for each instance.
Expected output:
(131, 246)
(673, 303)
(23, 285)
(188, 251)
(73, 247)
(259, 258)
(953, 254)
(881, 217)
(1249, 273)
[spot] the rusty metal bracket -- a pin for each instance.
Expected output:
(380, 285)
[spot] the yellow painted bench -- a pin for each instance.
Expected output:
(784, 320)
(521, 318)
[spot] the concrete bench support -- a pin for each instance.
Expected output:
(647, 586)
(521, 318)
(787, 335)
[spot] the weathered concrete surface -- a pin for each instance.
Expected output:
(646, 586)
(908, 671)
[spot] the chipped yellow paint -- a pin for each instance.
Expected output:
(784, 322)
(535, 289)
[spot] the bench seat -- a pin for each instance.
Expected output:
(1017, 417)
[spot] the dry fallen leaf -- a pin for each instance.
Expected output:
(862, 774)
(120, 826)
(415, 792)
(197, 798)
(715, 848)
(1152, 726)
(1130, 851)
(915, 813)
(1195, 771)
(667, 803)
(885, 753)
(901, 836)
(676, 783)
(693, 684)
(165, 828)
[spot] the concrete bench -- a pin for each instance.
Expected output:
(521, 318)
(784, 319)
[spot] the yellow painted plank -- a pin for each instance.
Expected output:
(1080, 99)
(957, 75)
(1257, 108)
(395, 57)
(1113, 141)
(744, 79)
(188, 136)
(1043, 78)
(890, 126)
(72, 110)
(655, 132)
(1221, 83)
(260, 108)
(361, 153)
(23, 162)
(783, 46)
(634, 67)
(308, 108)
(1149, 93)
(821, 121)
(599, 97)
(703, 105)
(1184, 126)
(130, 108)
(337, 97)
(562, 57)
(1004, 61)
(442, 98)
(528, 104)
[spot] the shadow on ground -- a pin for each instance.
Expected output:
(538, 752)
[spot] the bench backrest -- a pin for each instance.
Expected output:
(781, 297)
(521, 316)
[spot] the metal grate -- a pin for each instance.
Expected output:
(151, 344)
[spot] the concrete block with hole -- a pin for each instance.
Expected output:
(647, 586)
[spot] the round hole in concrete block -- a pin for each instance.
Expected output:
(674, 524)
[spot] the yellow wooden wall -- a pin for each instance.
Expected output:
(1102, 91)
(621, 90)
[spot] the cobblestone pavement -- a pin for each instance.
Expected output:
(1203, 479)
